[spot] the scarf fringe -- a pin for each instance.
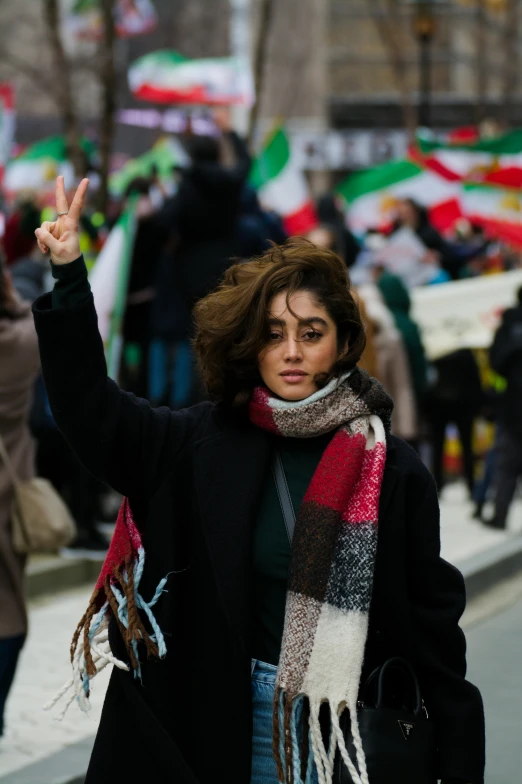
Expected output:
(295, 759)
(90, 648)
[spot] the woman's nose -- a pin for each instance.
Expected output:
(293, 350)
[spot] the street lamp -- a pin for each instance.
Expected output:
(424, 28)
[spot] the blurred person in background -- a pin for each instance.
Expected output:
(330, 214)
(151, 234)
(392, 368)
(452, 256)
(19, 367)
(397, 299)
(55, 460)
(202, 219)
(205, 211)
(455, 397)
(18, 239)
(506, 360)
(257, 227)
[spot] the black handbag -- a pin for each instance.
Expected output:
(397, 737)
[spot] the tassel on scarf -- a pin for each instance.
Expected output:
(117, 594)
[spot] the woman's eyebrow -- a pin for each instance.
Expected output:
(314, 320)
(305, 321)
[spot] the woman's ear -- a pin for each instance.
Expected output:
(344, 350)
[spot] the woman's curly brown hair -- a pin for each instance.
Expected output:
(232, 325)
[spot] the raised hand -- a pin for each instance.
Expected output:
(61, 236)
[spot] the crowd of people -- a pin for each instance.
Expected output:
(186, 239)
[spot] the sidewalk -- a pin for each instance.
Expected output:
(33, 735)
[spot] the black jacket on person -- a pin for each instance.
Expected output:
(458, 383)
(203, 217)
(194, 480)
(506, 360)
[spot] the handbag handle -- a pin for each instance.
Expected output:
(400, 664)
(8, 464)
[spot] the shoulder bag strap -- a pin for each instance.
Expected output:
(283, 492)
(8, 464)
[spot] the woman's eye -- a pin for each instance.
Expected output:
(275, 336)
(312, 335)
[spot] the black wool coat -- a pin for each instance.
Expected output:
(194, 480)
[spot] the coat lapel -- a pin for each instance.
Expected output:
(389, 480)
(230, 469)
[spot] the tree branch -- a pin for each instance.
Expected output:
(390, 35)
(108, 79)
(34, 74)
(62, 77)
(259, 59)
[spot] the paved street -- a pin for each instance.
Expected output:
(494, 657)
(495, 643)
(32, 733)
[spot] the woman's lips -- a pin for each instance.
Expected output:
(293, 378)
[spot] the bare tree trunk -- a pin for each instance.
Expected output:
(259, 59)
(62, 78)
(388, 24)
(511, 60)
(108, 79)
(481, 64)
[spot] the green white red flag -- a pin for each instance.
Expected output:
(131, 18)
(282, 186)
(497, 160)
(38, 166)
(166, 76)
(498, 210)
(109, 279)
(478, 180)
(371, 196)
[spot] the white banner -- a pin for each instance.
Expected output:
(463, 314)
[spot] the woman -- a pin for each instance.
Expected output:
(392, 369)
(191, 598)
(19, 364)
(398, 302)
(451, 256)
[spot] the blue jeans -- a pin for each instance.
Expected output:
(170, 369)
(263, 687)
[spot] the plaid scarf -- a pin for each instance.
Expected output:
(331, 569)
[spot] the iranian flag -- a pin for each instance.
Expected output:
(39, 165)
(496, 160)
(282, 186)
(109, 281)
(497, 209)
(371, 196)
(167, 76)
(131, 18)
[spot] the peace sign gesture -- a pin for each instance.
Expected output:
(61, 236)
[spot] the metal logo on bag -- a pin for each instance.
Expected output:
(405, 728)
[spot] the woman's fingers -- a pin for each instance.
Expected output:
(47, 241)
(48, 226)
(77, 203)
(61, 198)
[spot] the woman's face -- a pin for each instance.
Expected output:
(299, 347)
(406, 214)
